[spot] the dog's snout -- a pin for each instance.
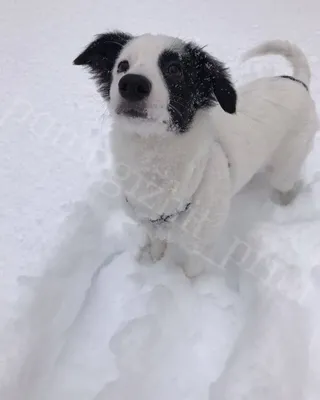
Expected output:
(134, 87)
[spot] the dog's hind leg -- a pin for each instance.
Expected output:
(285, 178)
(286, 198)
(284, 170)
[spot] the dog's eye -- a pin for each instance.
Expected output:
(123, 66)
(174, 69)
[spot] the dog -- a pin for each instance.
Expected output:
(185, 141)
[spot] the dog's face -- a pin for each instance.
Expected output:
(159, 80)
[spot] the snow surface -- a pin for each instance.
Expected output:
(79, 319)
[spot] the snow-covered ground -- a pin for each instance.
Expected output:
(79, 319)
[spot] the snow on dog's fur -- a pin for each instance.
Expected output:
(184, 141)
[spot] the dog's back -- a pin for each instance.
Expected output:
(274, 115)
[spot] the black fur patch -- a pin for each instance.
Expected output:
(295, 80)
(100, 57)
(204, 82)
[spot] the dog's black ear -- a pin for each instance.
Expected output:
(213, 82)
(100, 57)
(224, 89)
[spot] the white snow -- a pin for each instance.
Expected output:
(79, 319)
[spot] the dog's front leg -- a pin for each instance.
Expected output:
(198, 228)
(157, 249)
(152, 250)
(198, 231)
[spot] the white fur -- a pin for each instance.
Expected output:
(160, 172)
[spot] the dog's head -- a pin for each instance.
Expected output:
(155, 79)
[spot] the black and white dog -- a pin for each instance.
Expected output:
(184, 141)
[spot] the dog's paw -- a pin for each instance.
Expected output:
(192, 270)
(143, 256)
(151, 252)
(157, 250)
(286, 198)
(193, 266)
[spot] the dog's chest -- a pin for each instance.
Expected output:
(157, 176)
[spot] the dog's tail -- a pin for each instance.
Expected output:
(299, 62)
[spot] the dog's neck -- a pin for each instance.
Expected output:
(169, 155)
(158, 138)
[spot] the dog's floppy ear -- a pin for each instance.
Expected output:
(100, 57)
(213, 81)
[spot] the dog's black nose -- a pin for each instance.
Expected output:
(134, 87)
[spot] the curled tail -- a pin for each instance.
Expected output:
(296, 57)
